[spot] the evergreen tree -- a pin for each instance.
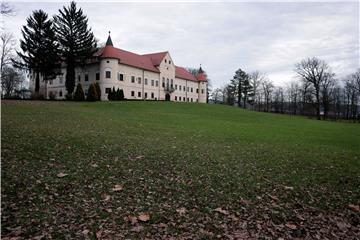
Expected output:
(77, 42)
(92, 93)
(79, 93)
(247, 91)
(119, 95)
(238, 82)
(110, 95)
(40, 50)
(98, 90)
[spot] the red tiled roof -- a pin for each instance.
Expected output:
(181, 72)
(156, 58)
(127, 58)
(146, 61)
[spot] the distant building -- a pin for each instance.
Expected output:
(151, 76)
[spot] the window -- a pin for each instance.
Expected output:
(133, 79)
(107, 74)
(152, 95)
(139, 94)
(139, 80)
(163, 83)
(157, 83)
(61, 79)
(197, 90)
(86, 77)
(132, 93)
(191, 100)
(97, 76)
(107, 61)
(107, 90)
(171, 82)
(60, 93)
(187, 89)
(191, 89)
(146, 95)
(197, 100)
(152, 82)
(145, 81)
(120, 77)
(165, 60)
(187, 99)
(202, 91)
(175, 98)
(79, 77)
(169, 62)
(175, 86)
(50, 82)
(184, 99)
(184, 88)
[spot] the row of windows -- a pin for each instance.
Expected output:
(185, 99)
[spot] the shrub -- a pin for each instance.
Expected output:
(98, 90)
(68, 96)
(119, 94)
(37, 96)
(79, 93)
(52, 95)
(92, 93)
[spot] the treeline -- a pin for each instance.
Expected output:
(317, 92)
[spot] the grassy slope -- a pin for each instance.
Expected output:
(167, 156)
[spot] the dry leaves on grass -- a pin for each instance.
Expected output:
(353, 207)
(144, 217)
(61, 175)
(222, 211)
(117, 188)
(181, 211)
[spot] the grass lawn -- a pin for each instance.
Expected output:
(99, 170)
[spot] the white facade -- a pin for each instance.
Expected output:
(136, 82)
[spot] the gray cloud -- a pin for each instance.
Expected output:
(270, 37)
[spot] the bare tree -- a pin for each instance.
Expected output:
(6, 9)
(217, 95)
(293, 93)
(315, 72)
(256, 78)
(327, 88)
(267, 88)
(7, 47)
(11, 80)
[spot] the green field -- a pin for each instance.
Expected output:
(198, 171)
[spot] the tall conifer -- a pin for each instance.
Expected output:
(77, 42)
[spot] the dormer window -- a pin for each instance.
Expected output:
(165, 61)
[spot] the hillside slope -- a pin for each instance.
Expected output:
(197, 170)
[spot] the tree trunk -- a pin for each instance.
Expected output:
(70, 78)
(37, 82)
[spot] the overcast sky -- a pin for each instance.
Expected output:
(269, 37)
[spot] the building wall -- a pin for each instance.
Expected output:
(147, 84)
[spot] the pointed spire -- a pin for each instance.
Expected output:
(200, 69)
(109, 42)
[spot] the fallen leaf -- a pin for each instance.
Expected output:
(353, 207)
(106, 197)
(117, 188)
(144, 217)
(289, 188)
(85, 231)
(132, 219)
(61, 175)
(220, 210)
(137, 228)
(291, 226)
(181, 211)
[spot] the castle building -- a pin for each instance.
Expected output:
(151, 76)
